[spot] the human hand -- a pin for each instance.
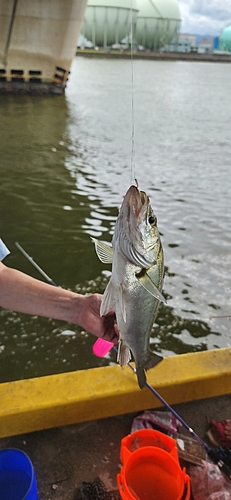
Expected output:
(90, 319)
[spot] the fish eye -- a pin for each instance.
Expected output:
(152, 220)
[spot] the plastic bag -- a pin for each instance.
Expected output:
(150, 419)
(208, 483)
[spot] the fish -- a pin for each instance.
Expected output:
(134, 290)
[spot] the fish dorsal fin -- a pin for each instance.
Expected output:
(124, 354)
(113, 300)
(147, 283)
(105, 252)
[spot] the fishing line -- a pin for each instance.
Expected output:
(133, 159)
(218, 456)
(218, 317)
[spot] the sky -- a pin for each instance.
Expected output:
(204, 17)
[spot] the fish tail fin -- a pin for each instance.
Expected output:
(153, 360)
(141, 377)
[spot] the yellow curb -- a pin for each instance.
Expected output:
(67, 398)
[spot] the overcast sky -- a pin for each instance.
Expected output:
(204, 17)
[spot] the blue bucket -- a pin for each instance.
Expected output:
(17, 476)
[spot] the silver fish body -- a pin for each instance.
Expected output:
(134, 289)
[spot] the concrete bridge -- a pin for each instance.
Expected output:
(38, 41)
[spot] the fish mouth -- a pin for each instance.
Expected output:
(137, 201)
(132, 231)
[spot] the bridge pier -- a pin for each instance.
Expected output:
(38, 41)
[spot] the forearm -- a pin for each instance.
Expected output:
(22, 293)
(19, 292)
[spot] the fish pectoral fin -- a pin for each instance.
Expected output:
(109, 299)
(105, 252)
(113, 300)
(124, 354)
(148, 284)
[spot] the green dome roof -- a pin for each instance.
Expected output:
(165, 9)
(125, 4)
(226, 38)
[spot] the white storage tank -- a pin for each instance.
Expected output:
(225, 39)
(107, 22)
(158, 22)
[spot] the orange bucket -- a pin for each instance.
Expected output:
(151, 469)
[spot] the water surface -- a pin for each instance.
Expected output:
(66, 164)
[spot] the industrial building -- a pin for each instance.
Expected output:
(186, 43)
(155, 23)
(183, 42)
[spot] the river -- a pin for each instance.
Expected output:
(65, 166)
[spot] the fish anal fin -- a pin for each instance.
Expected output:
(147, 283)
(105, 252)
(124, 354)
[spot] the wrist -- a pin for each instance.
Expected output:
(76, 312)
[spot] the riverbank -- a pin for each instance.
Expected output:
(155, 56)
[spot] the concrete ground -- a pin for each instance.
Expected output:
(64, 457)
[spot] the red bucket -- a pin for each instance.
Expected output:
(151, 469)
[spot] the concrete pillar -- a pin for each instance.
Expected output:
(38, 40)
